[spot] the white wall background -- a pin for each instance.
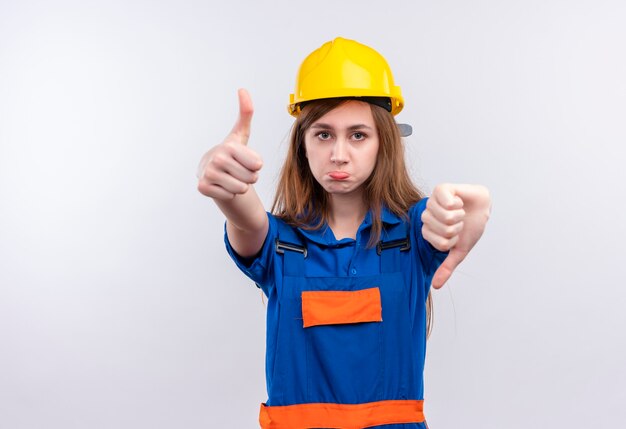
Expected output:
(119, 307)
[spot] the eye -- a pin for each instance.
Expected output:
(323, 135)
(359, 136)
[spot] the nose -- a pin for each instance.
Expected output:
(339, 154)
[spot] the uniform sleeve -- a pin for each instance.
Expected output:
(258, 268)
(430, 257)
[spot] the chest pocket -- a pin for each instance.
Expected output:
(341, 307)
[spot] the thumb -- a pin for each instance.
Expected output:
(447, 267)
(242, 127)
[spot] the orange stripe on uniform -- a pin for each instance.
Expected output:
(344, 416)
(340, 307)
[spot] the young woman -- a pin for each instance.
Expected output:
(349, 251)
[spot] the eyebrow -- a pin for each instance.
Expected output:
(350, 128)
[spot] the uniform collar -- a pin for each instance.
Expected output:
(325, 236)
(387, 216)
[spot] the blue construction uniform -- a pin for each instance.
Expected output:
(345, 363)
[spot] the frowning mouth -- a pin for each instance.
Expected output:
(338, 175)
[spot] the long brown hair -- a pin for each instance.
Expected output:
(301, 201)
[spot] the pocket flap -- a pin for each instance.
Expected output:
(340, 307)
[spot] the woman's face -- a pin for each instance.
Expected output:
(342, 147)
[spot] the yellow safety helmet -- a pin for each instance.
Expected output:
(344, 68)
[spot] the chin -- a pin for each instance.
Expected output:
(340, 190)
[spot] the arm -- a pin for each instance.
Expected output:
(454, 220)
(226, 174)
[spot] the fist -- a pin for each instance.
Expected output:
(443, 218)
(454, 220)
(229, 168)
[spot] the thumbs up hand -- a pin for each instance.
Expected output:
(229, 168)
(454, 220)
